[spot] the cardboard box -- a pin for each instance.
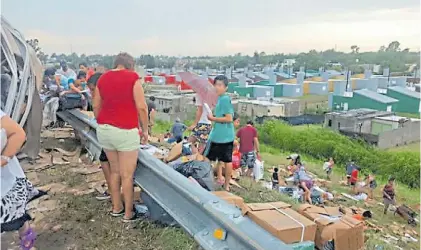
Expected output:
(230, 198)
(159, 156)
(136, 195)
(153, 139)
(347, 232)
(89, 114)
(280, 220)
(175, 152)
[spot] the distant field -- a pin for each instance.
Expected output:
(413, 147)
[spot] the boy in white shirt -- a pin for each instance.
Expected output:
(201, 127)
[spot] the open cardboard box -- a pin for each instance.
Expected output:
(230, 198)
(347, 232)
(175, 152)
(280, 220)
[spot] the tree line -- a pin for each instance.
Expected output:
(392, 56)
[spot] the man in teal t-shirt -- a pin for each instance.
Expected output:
(221, 138)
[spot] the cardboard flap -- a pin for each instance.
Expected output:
(312, 209)
(331, 211)
(175, 152)
(267, 206)
(230, 198)
(323, 221)
(264, 206)
(304, 207)
(352, 222)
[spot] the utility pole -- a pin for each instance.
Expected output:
(347, 79)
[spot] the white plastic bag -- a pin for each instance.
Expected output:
(258, 170)
(326, 166)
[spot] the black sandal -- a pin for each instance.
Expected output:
(40, 194)
(117, 214)
(135, 217)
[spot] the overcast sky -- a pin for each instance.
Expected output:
(214, 27)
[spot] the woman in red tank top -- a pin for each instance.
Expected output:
(119, 105)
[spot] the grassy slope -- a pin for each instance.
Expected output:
(273, 157)
(253, 192)
(413, 147)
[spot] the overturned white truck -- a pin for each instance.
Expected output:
(21, 80)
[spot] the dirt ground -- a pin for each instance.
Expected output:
(70, 217)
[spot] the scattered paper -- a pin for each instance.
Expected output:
(67, 153)
(48, 205)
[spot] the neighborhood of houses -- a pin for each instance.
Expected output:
(377, 108)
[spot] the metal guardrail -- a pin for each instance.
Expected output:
(197, 211)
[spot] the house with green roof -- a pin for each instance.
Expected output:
(363, 98)
(409, 101)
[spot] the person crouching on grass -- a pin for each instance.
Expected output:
(221, 138)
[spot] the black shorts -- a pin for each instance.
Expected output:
(220, 151)
(103, 157)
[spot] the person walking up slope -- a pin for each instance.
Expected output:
(221, 138)
(249, 147)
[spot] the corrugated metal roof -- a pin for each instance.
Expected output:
(261, 75)
(284, 75)
(362, 113)
(311, 74)
(237, 76)
(405, 91)
(396, 118)
(262, 87)
(332, 72)
(270, 103)
(375, 96)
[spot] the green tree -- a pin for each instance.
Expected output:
(355, 49)
(393, 46)
(256, 58)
